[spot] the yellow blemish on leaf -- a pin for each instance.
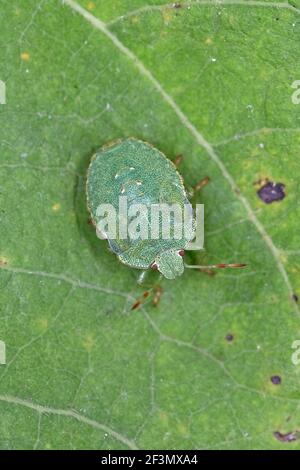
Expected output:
(269, 387)
(25, 56)
(167, 15)
(3, 261)
(91, 6)
(182, 429)
(283, 258)
(295, 271)
(42, 324)
(208, 41)
(56, 207)
(232, 20)
(261, 181)
(256, 151)
(248, 164)
(17, 11)
(88, 343)
(134, 19)
(163, 417)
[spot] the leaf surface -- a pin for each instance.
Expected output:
(211, 81)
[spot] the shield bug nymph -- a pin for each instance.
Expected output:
(137, 172)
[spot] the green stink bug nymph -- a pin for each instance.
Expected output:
(135, 172)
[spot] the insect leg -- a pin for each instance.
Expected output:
(157, 295)
(198, 186)
(177, 160)
(203, 182)
(154, 290)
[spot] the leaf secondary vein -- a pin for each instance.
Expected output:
(41, 409)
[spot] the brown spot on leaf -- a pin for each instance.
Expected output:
(3, 261)
(271, 192)
(276, 379)
(288, 437)
(229, 337)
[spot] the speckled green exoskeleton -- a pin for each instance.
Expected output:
(143, 174)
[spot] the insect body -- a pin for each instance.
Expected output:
(136, 171)
(141, 173)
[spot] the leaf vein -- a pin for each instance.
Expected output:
(41, 409)
(64, 278)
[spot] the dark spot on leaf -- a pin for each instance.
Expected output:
(288, 437)
(177, 5)
(295, 297)
(229, 337)
(271, 192)
(276, 379)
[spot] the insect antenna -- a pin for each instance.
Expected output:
(213, 266)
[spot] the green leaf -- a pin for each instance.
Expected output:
(211, 81)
